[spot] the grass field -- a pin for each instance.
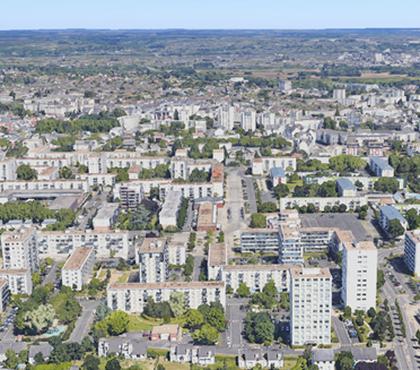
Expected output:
(140, 323)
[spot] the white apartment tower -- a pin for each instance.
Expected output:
(78, 268)
(310, 302)
(339, 95)
(249, 120)
(226, 117)
(152, 257)
(360, 263)
(412, 251)
(20, 250)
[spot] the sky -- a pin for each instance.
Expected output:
(208, 14)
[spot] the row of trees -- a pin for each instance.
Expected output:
(36, 212)
(86, 123)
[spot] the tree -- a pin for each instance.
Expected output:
(258, 220)
(346, 163)
(177, 303)
(344, 360)
(259, 328)
(270, 289)
(395, 228)
(39, 358)
(413, 219)
(25, 172)
(113, 364)
(11, 359)
(194, 319)
(347, 312)
(91, 363)
(387, 185)
(206, 335)
(263, 300)
(39, 319)
(216, 318)
(243, 290)
(371, 312)
(281, 190)
(284, 301)
(359, 185)
(380, 279)
(66, 173)
(117, 322)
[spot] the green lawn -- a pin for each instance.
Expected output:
(141, 323)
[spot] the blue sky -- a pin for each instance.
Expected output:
(196, 14)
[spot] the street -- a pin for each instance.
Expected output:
(235, 317)
(85, 320)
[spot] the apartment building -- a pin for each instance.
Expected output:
(380, 167)
(152, 258)
(44, 185)
(106, 217)
(101, 162)
(168, 215)
(264, 165)
(249, 120)
(216, 261)
(59, 244)
(259, 240)
(226, 117)
(320, 203)
(310, 306)
(19, 280)
(359, 270)
(7, 168)
(181, 167)
(132, 297)
(388, 213)
(346, 188)
(412, 251)
(255, 277)
(130, 195)
(78, 268)
(177, 252)
(19, 250)
(290, 246)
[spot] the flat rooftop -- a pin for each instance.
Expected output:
(217, 255)
(343, 221)
(77, 258)
(302, 272)
(152, 245)
(169, 285)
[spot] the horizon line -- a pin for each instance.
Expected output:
(417, 28)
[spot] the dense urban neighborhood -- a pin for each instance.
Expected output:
(210, 200)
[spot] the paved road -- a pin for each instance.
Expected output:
(341, 331)
(84, 322)
(51, 277)
(250, 191)
(197, 265)
(7, 335)
(404, 350)
(188, 221)
(235, 317)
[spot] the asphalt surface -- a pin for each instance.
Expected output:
(235, 317)
(341, 331)
(85, 321)
(51, 277)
